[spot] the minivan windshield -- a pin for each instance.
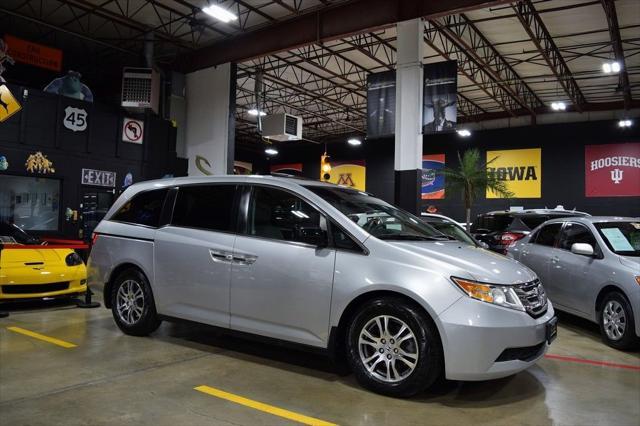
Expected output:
(622, 238)
(380, 219)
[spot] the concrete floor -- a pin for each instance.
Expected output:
(110, 378)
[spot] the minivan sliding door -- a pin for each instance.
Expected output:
(193, 255)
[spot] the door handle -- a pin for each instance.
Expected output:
(244, 259)
(221, 256)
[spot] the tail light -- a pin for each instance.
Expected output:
(509, 239)
(94, 238)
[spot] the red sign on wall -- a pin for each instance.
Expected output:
(612, 170)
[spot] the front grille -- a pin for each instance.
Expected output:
(533, 297)
(34, 288)
(528, 353)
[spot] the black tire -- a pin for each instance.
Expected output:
(429, 365)
(628, 338)
(147, 321)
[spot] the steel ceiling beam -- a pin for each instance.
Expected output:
(446, 47)
(614, 31)
(463, 32)
(323, 25)
(539, 35)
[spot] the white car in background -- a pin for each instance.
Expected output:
(450, 227)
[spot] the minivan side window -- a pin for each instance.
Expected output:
(279, 215)
(143, 208)
(576, 233)
(207, 207)
(547, 235)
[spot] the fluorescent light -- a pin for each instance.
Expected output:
(558, 106)
(625, 123)
(219, 13)
(464, 133)
(255, 112)
(354, 142)
(271, 151)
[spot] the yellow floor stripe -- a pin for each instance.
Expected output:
(263, 407)
(42, 337)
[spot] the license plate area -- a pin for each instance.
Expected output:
(552, 329)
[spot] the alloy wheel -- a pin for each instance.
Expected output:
(388, 348)
(130, 302)
(614, 320)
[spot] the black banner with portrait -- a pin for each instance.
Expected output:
(381, 104)
(439, 113)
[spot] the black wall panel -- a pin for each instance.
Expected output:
(39, 127)
(562, 164)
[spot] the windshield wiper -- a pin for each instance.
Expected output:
(411, 237)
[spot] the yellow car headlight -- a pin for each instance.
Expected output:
(500, 295)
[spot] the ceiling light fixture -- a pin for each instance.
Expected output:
(558, 106)
(611, 67)
(464, 133)
(625, 123)
(271, 151)
(255, 112)
(354, 141)
(219, 13)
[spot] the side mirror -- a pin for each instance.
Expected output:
(582, 249)
(314, 236)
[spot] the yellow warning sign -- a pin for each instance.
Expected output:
(8, 103)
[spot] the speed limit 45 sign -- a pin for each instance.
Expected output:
(132, 130)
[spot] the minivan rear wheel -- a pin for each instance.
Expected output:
(617, 325)
(393, 348)
(132, 304)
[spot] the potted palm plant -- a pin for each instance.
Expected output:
(470, 179)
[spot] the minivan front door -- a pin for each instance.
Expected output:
(193, 255)
(281, 282)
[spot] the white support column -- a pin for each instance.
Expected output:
(209, 136)
(408, 132)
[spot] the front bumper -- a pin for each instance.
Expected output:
(22, 283)
(476, 334)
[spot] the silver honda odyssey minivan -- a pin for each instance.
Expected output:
(324, 266)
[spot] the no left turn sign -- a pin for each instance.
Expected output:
(132, 130)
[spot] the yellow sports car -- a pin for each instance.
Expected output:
(32, 271)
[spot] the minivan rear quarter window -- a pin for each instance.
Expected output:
(143, 209)
(207, 207)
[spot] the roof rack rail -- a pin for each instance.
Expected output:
(287, 175)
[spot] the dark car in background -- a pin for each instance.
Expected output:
(501, 229)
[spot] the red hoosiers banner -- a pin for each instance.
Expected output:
(612, 170)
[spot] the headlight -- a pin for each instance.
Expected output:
(73, 259)
(497, 294)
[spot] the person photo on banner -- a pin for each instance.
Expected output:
(439, 97)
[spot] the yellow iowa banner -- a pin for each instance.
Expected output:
(351, 174)
(521, 169)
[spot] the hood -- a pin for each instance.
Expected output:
(482, 265)
(632, 262)
(33, 255)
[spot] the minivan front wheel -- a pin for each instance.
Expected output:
(617, 322)
(393, 348)
(132, 304)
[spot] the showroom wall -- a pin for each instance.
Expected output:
(97, 144)
(562, 149)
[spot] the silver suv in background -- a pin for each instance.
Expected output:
(591, 268)
(323, 266)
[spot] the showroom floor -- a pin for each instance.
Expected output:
(110, 378)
